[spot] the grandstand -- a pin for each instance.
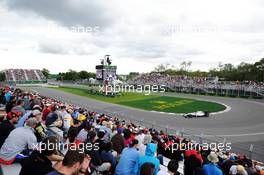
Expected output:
(201, 85)
(24, 76)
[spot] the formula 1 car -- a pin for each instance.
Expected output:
(196, 114)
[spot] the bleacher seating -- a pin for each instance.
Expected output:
(24, 76)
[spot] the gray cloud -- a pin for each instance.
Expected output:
(66, 12)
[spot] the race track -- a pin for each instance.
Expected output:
(242, 125)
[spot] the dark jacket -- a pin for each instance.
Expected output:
(94, 154)
(5, 128)
(36, 163)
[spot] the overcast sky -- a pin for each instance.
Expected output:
(138, 34)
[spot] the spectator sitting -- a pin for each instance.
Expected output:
(118, 141)
(71, 164)
(96, 161)
(82, 135)
(142, 147)
(7, 126)
(8, 95)
(10, 104)
(67, 119)
(237, 170)
(127, 137)
(19, 107)
(147, 169)
(40, 129)
(74, 130)
(20, 140)
(173, 166)
(128, 159)
(108, 156)
(100, 141)
(211, 168)
(149, 156)
(53, 124)
(193, 166)
(39, 162)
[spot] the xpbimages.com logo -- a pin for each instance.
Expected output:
(182, 146)
(81, 147)
(146, 89)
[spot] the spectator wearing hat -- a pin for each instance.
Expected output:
(107, 127)
(237, 170)
(118, 141)
(149, 157)
(128, 159)
(20, 140)
(193, 166)
(211, 168)
(142, 147)
(53, 123)
(8, 125)
(35, 111)
(40, 129)
(260, 169)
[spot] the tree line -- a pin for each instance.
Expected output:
(72, 75)
(228, 72)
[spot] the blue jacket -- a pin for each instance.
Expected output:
(127, 162)
(211, 169)
(8, 96)
(148, 157)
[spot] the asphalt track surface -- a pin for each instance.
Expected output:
(242, 125)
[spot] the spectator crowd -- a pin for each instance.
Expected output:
(47, 136)
(173, 81)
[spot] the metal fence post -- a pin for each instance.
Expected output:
(182, 131)
(251, 150)
(153, 124)
(166, 129)
(140, 122)
(201, 138)
(224, 142)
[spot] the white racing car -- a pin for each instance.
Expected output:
(196, 114)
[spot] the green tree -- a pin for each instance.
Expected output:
(45, 72)
(2, 76)
(83, 74)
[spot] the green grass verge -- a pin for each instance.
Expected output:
(151, 102)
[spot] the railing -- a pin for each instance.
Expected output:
(250, 150)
